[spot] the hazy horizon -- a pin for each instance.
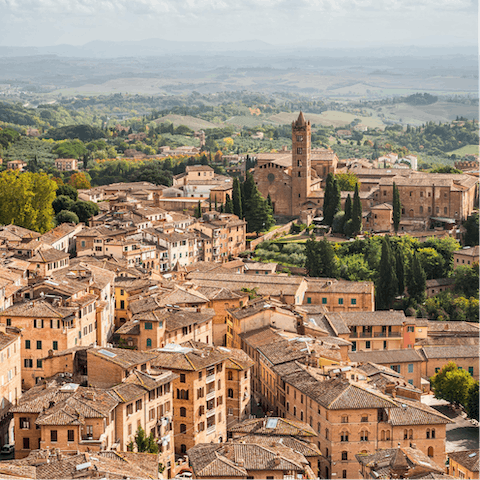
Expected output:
(328, 23)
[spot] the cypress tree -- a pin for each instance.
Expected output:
(210, 203)
(228, 204)
(320, 258)
(348, 208)
(237, 198)
(416, 280)
(387, 278)
(216, 206)
(258, 214)
(397, 208)
(400, 271)
(198, 210)
(269, 201)
(356, 211)
(331, 200)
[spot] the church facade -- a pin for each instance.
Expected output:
(293, 179)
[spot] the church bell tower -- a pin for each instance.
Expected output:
(301, 162)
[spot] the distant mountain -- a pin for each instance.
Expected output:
(160, 47)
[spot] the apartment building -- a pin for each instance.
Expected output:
(200, 414)
(226, 233)
(464, 464)
(10, 380)
(66, 164)
(46, 260)
(467, 256)
(62, 237)
(45, 326)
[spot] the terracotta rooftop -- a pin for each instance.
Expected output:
(451, 352)
(466, 458)
(273, 426)
(123, 357)
(407, 355)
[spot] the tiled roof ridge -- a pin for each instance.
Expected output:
(296, 426)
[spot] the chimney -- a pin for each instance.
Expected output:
(276, 460)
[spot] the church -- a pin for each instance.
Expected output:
(293, 179)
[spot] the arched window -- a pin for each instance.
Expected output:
(428, 433)
(433, 433)
(183, 428)
(183, 412)
(344, 418)
(318, 427)
(301, 415)
(230, 393)
(410, 434)
(382, 435)
(183, 448)
(405, 434)
(430, 451)
(387, 435)
(294, 411)
(344, 437)
(230, 375)
(344, 455)
(149, 342)
(182, 394)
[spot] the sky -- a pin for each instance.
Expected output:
(279, 22)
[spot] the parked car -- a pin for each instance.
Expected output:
(7, 449)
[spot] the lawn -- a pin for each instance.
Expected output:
(466, 150)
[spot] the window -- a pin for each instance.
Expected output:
(122, 304)
(345, 419)
(182, 394)
(344, 474)
(324, 301)
(53, 435)
(344, 437)
(410, 329)
(24, 423)
(148, 326)
(39, 363)
(354, 346)
(55, 345)
(183, 428)
(9, 322)
(309, 299)
(344, 455)
(421, 209)
(340, 301)
(230, 393)
(230, 375)
(470, 371)
(27, 344)
(364, 436)
(26, 443)
(130, 409)
(430, 451)
(28, 363)
(364, 418)
(149, 342)
(433, 433)
(71, 435)
(353, 301)
(367, 344)
(183, 412)
(437, 369)
(37, 323)
(138, 405)
(410, 368)
(182, 378)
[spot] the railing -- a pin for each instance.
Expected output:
(210, 378)
(394, 334)
(380, 334)
(354, 334)
(211, 430)
(210, 412)
(210, 395)
(366, 334)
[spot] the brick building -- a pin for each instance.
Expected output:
(293, 178)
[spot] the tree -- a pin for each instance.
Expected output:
(320, 258)
(387, 286)
(144, 443)
(26, 200)
(346, 181)
(331, 200)
(85, 210)
(466, 280)
(472, 402)
(62, 203)
(452, 384)
(79, 181)
(471, 226)
(356, 211)
(258, 214)
(269, 201)
(66, 216)
(228, 204)
(348, 208)
(237, 198)
(397, 208)
(248, 188)
(69, 191)
(432, 262)
(198, 210)
(400, 271)
(416, 280)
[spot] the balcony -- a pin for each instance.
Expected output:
(210, 378)
(394, 335)
(210, 395)
(380, 334)
(211, 430)
(210, 412)
(354, 334)
(366, 334)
